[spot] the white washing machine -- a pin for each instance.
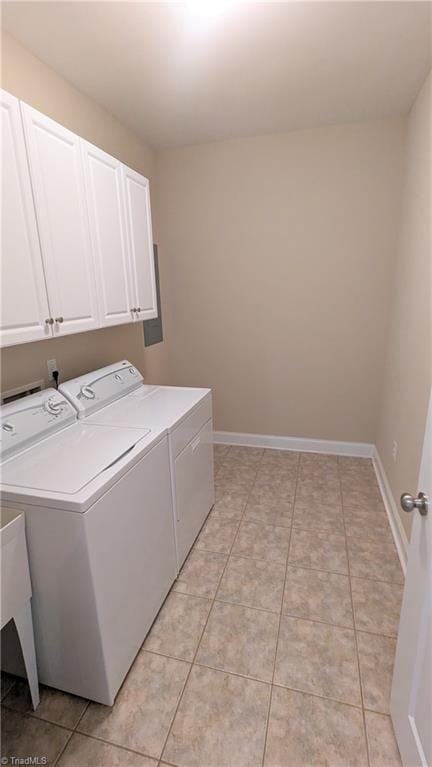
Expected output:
(100, 535)
(186, 413)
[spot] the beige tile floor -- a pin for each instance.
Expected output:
(275, 646)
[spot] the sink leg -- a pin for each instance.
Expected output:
(24, 626)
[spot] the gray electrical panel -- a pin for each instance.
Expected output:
(153, 328)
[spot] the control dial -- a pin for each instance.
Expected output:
(87, 392)
(53, 407)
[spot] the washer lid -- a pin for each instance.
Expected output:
(71, 458)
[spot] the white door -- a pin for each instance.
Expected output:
(411, 697)
(138, 215)
(24, 299)
(57, 176)
(103, 177)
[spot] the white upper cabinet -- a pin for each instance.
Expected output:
(24, 299)
(140, 240)
(105, 197)
(77, 246)
(57, 177)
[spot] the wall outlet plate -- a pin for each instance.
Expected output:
(395, 451)
(51, 366)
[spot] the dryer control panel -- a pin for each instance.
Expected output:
(31, 419)
(92, 391)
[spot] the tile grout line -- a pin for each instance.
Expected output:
(280, 620)
(354, 620)
(278, 685)
(113, 743)
(295, 567)
(214, 668)
(56, 761)
(192, 663)
(267, 611)
(62, 750)
(31, 715)
(300, 567)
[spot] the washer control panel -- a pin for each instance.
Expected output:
(30, 419)
(100, 388)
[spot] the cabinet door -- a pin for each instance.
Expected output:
(24, 298)
(140, 238)
(103, 177)
(58, 186)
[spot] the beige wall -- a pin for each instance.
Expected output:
(31, 80)
(281, 249)
(408, 370)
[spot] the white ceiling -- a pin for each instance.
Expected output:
(184, 73)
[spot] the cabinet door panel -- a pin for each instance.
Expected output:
(58, 186)
(103, 176)
(24, 298)
(138, 215)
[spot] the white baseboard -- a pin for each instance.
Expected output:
(392, 509)
(358, 449)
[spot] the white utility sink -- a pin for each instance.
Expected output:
(16, 590)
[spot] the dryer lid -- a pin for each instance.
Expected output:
(152, 406)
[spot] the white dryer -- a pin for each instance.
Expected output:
(186, 413)
(100, 535)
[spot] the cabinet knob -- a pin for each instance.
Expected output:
(138, 309)
(49, 321)
(59, 319)
(133, 310)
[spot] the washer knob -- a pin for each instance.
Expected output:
(87, 392)
(52, 407)
(132, 371)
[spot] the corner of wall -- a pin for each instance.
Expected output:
(405, 391)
